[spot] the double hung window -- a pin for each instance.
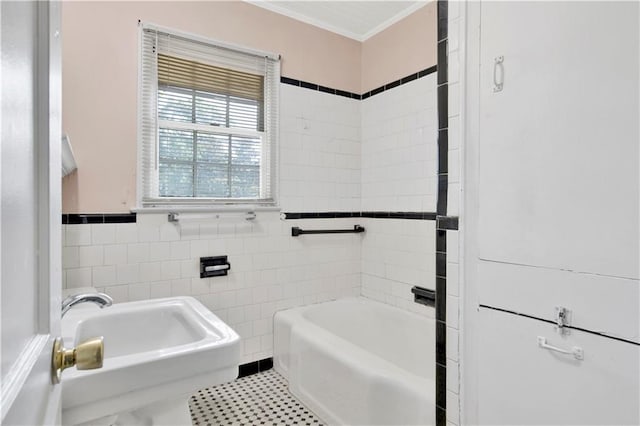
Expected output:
(208, 122)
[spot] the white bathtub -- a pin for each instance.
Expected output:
(358, 362)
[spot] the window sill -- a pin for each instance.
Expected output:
(212, 208)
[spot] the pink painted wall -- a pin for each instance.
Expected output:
(408, 46)
(100, 72)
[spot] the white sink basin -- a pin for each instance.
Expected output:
(157, 352)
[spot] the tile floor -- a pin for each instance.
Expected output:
(259, 399)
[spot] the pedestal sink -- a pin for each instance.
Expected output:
(156, 354)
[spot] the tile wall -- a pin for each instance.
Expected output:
(320, 171)
(319, 151)
(398, 254)
(455, 68)
(325, 159)
(399, 163)
(399, 148)
(270, 270)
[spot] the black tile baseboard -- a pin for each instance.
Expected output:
(255, 367)
(92, 218)
(377, 90)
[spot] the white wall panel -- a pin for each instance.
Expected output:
(559, 175)
(605, 304)
(523, 384)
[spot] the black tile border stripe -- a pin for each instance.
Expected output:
(441, 386)
(313, 86)
(441, 241)
(443, 17)
(441, 299)
(93, 218)
(443, 190)
(443, 222)
(97, 218)
(375, 215)
(520, 314)
(447, 223)
(399, 82)
(442, 61)
(255, 367)
(441, 348)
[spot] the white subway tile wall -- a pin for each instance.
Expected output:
(399, 148)
(398, 254)
(270, 270)
(319, 151)
(456, 30)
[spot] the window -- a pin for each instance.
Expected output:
(208, 122)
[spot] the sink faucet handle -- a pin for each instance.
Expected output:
(99, 299)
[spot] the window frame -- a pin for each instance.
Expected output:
(209, 129)
(188, 203)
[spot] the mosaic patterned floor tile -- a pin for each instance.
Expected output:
(259, 399)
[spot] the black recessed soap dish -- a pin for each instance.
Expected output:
(424, 296)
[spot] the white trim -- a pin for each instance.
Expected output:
(206, 40)
(219, 208)
(271, 6)
(395, 18)
(180, 125)
(470, 45)
(139, 165)
(20, 371)
(304, 18)
(152, 200)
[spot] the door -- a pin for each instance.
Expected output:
(559, 177)
(558, 213)
(30, 231)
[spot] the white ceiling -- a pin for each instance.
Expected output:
(358, 20)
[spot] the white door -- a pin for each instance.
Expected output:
(30, 230)
(559, 176)
(558, 213)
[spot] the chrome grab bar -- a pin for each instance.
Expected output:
(576, 351)
(177, 217)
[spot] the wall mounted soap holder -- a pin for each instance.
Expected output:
(424, 296)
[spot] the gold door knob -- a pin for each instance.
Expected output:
(88, 355)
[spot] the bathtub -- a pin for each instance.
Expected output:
(358, 362)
